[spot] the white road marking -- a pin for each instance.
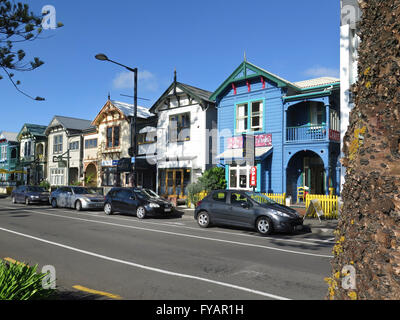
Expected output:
(181, 275)
(186, 235)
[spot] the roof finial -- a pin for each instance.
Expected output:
(245, 59)
(175, 75)
(109, 97)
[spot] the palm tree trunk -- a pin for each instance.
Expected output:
(368, 234)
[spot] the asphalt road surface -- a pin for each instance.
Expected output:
(120, 257)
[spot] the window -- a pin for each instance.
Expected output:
(256, 116)
(3, 155)
(239, 177)
(113, 137)
(27, 148)
(74, 145)
(219, 196)
(91, 144)
(58, 144)
(110, 177)
(57, 177)
(237, 199)
(179, 127)
(249, 116)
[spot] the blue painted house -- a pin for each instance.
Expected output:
(9, 160)
(296, 128)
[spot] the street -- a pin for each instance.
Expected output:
(121, 257)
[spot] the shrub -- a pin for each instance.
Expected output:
(21, 282)
(213, 179)
(45, 184)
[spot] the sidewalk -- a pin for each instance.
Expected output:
(311, 225)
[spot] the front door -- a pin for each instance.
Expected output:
(174, 182)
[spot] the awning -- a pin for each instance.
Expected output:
(261, 153)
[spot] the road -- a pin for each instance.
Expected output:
(120, 257)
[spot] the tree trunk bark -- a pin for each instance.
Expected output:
(368, 234)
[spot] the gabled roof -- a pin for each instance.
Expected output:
(34, 129)
(9, 136)
(200, 95)
(247, 70)
(68, 123)
(124, 109)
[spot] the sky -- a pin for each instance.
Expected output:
(204, 40)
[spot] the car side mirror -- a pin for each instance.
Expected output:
(244, 205)
(132, 198)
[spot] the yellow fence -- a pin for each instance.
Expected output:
(277, 197)
(329, 204)
(196, 198)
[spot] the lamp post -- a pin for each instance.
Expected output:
(133, 148)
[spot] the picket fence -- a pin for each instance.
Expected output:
(329, 204)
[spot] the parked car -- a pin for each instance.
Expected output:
(30, 194)
(79, 198)
(137, 202)
(246, 209)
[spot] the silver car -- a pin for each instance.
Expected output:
(79, 198)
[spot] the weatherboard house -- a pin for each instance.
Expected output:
(296, 128)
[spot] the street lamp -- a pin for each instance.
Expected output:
(133, 149)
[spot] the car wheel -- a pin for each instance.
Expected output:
(54, 203)
(264, 225)
(78, 206)
(203, 219)
(27, 201)
(141, 212)
(108, 209)
(13, 200)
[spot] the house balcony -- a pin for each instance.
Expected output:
(310, 133)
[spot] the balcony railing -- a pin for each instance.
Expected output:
(306, 133)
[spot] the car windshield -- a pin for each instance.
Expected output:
(150, 193)
(142, 194)
(260, 198)
(80, 190)
(35, 189)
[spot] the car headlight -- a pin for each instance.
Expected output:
(153, 205)
(281, 214)
(34, 197)
(86, 199)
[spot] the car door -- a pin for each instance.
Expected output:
(62, 197)
(240, 210)
(129, 201)
(18, 193)
(218, 206)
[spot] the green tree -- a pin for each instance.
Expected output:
(17, 26)
(213, 179)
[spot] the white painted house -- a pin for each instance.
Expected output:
(65, 150)
(186, 137)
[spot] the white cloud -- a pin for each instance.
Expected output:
(146, 80)
(322, 72)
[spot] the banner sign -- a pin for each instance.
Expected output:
(261, 140)
(253, 177)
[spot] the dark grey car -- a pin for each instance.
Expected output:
(29, 195)
(246, 209)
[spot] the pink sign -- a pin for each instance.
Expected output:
(261, 140)
(235, 142)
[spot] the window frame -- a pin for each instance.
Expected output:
(175, 136)
(58, 144)
(249, 117)
(113, 137)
